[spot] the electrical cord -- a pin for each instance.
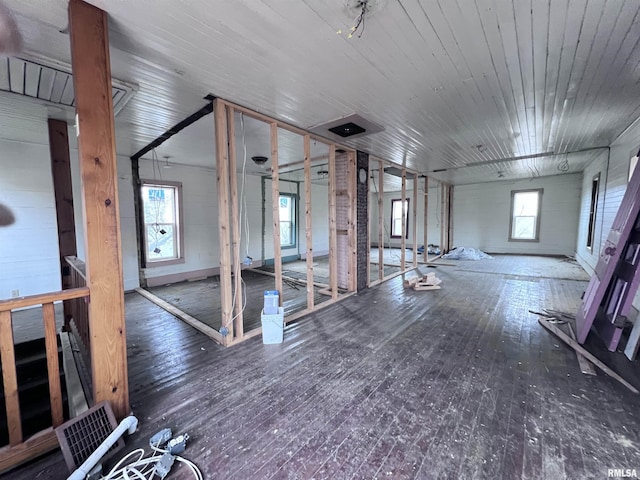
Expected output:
(144, 468)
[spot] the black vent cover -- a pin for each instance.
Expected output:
(347, 129)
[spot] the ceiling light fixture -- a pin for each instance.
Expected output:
(166, 162)
(323, 173)
(362, 6)
(259, 159)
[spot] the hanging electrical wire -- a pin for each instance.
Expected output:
(358, 22)
(564, 165)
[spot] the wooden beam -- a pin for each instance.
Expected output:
(333, 237)
(351, 222)
(238, 324)
(308, 221)
(586, 366)
(449, 218)
(584, 352)
(41, 442)
(222, 178)
(443, 222)
(275, 202)
(380, 220)
(10, 379)
(415, 220)
(425, 231)
(39, 299)
(210, 332)
(403, 233)
(89, 32)
(53, 367)
(63, 191)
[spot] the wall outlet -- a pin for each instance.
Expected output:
(15, 293)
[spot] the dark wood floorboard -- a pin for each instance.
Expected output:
(201, 298)
(456, 383)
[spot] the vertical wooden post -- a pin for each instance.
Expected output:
(369, 220)
(53, 367)
(238, 323)
(443, 223)
(403, 233)
(91, 68)
(333, 234)
(415, 219)
(380, 221)
(352, 185)
(308, 222)
(425, 255)
(222, 177)
(62, 187)
(10, 379)
(275, 193)
(450, 219)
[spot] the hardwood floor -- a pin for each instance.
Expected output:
(456, 383)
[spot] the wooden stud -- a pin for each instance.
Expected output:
(222, 177)
(53, 367)
(442, 219)
(586, 366)
(449, 218)
(238, 324)
(32, 300)
(585, 353)
(351, 222)
(10, 378)
(275, 193)
(415, 220)
(381, 221)
(89, 33)
(425, 232)
(62, 187)
(308, 221)
(403, 232)
(369, 220)
(333, 239)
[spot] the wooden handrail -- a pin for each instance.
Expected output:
(33, 300)
(78, 265)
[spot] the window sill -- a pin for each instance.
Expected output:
(164, 263)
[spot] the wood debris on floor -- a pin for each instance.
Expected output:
(426, 282)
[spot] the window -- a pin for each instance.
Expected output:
(525, 215)
(396, 218)
(632, 165)
(593, 210)
(287, 220)
(162, 228)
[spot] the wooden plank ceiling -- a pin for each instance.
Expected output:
(452, 82)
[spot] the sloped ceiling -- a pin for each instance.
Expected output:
(452, 82)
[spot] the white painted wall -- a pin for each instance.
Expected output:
(29, 254)
(433, 218)
(481, 215)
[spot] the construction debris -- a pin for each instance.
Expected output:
(426, 282)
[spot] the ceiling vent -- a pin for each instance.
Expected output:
(52, 85)
(351, 126)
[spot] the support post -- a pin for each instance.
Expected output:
(222, 177)
(333, 238)
(238, 322)
(380, 221)
(425, 232)
(308, 223)
(403, 233)
(275, 201)
(415, 220)
(88, 27)
(351, 222)
(62, 187)
(443, 223)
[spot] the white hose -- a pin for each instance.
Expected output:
(128, 424)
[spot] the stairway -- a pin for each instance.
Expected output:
(33, 389)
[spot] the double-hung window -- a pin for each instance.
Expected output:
(525, 215)
(398, 209)
(161, 206)
(287, 220)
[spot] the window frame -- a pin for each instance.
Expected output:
(179, 223)
(294, 221)
(406, 221)
(540, 192)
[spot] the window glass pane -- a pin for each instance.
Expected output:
(161, 242)
(524, 227)
(287, 214)
(159, 204)
(396, 217)
(525, 204)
